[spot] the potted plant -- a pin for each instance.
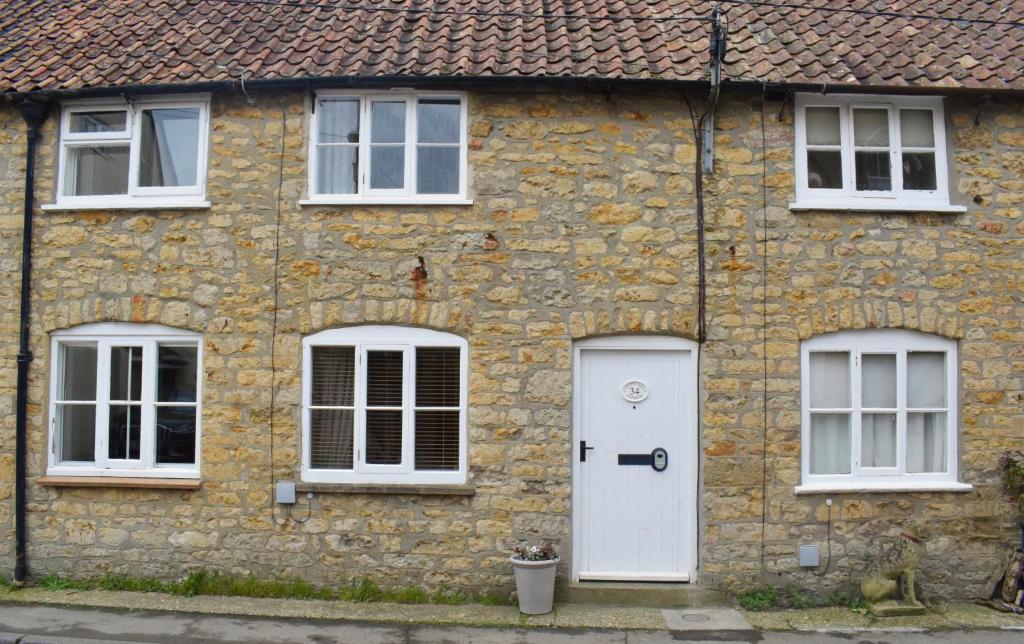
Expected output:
(534, 567)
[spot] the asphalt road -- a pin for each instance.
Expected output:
(27, 624)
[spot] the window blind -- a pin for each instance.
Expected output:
(384, 400)
(437, 408)
(332, 410)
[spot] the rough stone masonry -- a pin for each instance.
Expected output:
(583, 224)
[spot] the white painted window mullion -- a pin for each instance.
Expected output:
(102, 402)
(147, 420)
(855, 414)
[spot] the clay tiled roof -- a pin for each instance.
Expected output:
(69, 45)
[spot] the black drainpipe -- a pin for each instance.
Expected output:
(34, 114)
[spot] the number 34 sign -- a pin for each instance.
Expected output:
(634, 391)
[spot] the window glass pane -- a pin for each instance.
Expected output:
(338, 121)
(176, 374)
(76, 426)
(878, 440)
(437, 120)
(169, 147)
(872, 171)
(822, 126)
(98, 170)
(926, 379)
(176, 435)
(384, 437)
(330, 438)
(337, 170)
(384, 378)
(333, 376)
(926, 442)
(79, 376)
(878, 381)
(916, 130)
(437, 171)
(387, 122)
(126, 373)
(387, 168)
(437, 376)
(112, 121)
(824, 169)
(437, 440)
(830, 444)
(830, 379)
(123, 432)
(871, 127)
(919, 170)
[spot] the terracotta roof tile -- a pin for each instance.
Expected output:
(68, 44)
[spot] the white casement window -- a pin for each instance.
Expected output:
(858, 152)
(879, 411)
(125, 401)
(384, 405)
(142, 153)
(388, 147)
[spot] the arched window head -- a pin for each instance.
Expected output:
(879, 411)
(125, 401)
(384, 404)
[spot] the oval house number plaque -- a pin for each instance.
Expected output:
(634, 391)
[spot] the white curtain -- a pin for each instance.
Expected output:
(830, 443)
(878, 381)
(926, 442)
(338, 147)
(926, 380)
(878, 440)
(830, 379)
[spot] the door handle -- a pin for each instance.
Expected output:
(583, 451)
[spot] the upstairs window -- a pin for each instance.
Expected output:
(142, 153)
(879, 410)
(387, 148)
(870, 153)
(384, 405)
(125, 401)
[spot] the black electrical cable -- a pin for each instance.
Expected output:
(879, 14)
(698, 188)
(764, 328)
(274, 316)
(545, 15)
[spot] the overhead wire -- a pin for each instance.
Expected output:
(874, 13)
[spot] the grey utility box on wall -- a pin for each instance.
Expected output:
(808, 555)
(285, 492)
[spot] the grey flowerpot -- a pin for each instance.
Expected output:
(535, 585)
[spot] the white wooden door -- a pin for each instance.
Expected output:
(633, 522)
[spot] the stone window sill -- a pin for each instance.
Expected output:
(385, 488)
(893, 486)
(154, 203)
(386, 201)
(147, 483)
(869, 205)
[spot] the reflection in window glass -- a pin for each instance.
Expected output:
(169, 154)
(99, 121)
(97, 170)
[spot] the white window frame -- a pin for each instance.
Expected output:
(384, 338)
(104, 335)
(880, 341)
(848, 197)
(407, 195)
(137, 196)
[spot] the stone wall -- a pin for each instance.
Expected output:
(583, 224)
